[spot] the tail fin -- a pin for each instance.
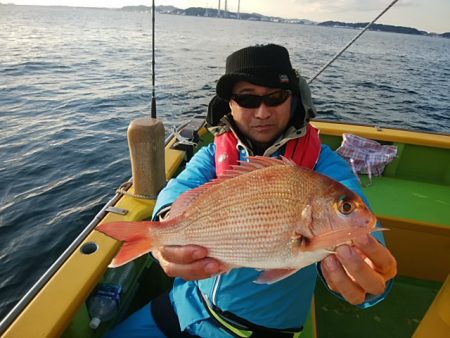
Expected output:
(137, 239)
(130, 251)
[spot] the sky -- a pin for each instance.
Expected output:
(427, 15)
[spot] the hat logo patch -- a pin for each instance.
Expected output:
(284, 78)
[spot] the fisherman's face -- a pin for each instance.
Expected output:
(264, 124)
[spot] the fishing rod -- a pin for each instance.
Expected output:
(153, 109)
(351, 42)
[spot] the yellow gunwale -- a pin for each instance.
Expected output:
(385, 134)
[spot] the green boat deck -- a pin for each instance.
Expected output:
(420, 201)
(396, 317)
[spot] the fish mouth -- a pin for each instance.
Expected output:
(333, 239)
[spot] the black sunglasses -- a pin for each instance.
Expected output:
(254, 101)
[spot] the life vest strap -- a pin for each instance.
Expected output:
(305, 150)
(240, 327)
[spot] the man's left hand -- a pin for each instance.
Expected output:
(355, 271)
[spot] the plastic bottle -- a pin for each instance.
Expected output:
(103, 305)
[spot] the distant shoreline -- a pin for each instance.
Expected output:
(214, 13)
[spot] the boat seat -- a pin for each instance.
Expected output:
(424, 202)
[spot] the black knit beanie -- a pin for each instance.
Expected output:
(263, 65)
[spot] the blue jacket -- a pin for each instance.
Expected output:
(281, 305)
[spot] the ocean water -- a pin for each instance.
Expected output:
(71, 80)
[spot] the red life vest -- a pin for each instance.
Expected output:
(304, 151)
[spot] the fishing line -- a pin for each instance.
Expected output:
(153, 109)
(351, 42)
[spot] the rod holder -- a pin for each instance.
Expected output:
(146, 144)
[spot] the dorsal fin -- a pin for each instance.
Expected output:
(184, 201)
(254, 163)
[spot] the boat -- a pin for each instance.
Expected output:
(411, 198)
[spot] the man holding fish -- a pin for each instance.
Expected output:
(243, 246)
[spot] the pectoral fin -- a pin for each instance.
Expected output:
(274, 275)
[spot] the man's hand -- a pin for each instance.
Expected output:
(189, 262)
(355, 271)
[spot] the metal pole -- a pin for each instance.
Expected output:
(153, 109)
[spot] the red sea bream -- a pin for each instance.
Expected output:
(267, 214)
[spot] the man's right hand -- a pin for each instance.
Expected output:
(189, 262)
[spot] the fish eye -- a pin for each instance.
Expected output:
(345, 206)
